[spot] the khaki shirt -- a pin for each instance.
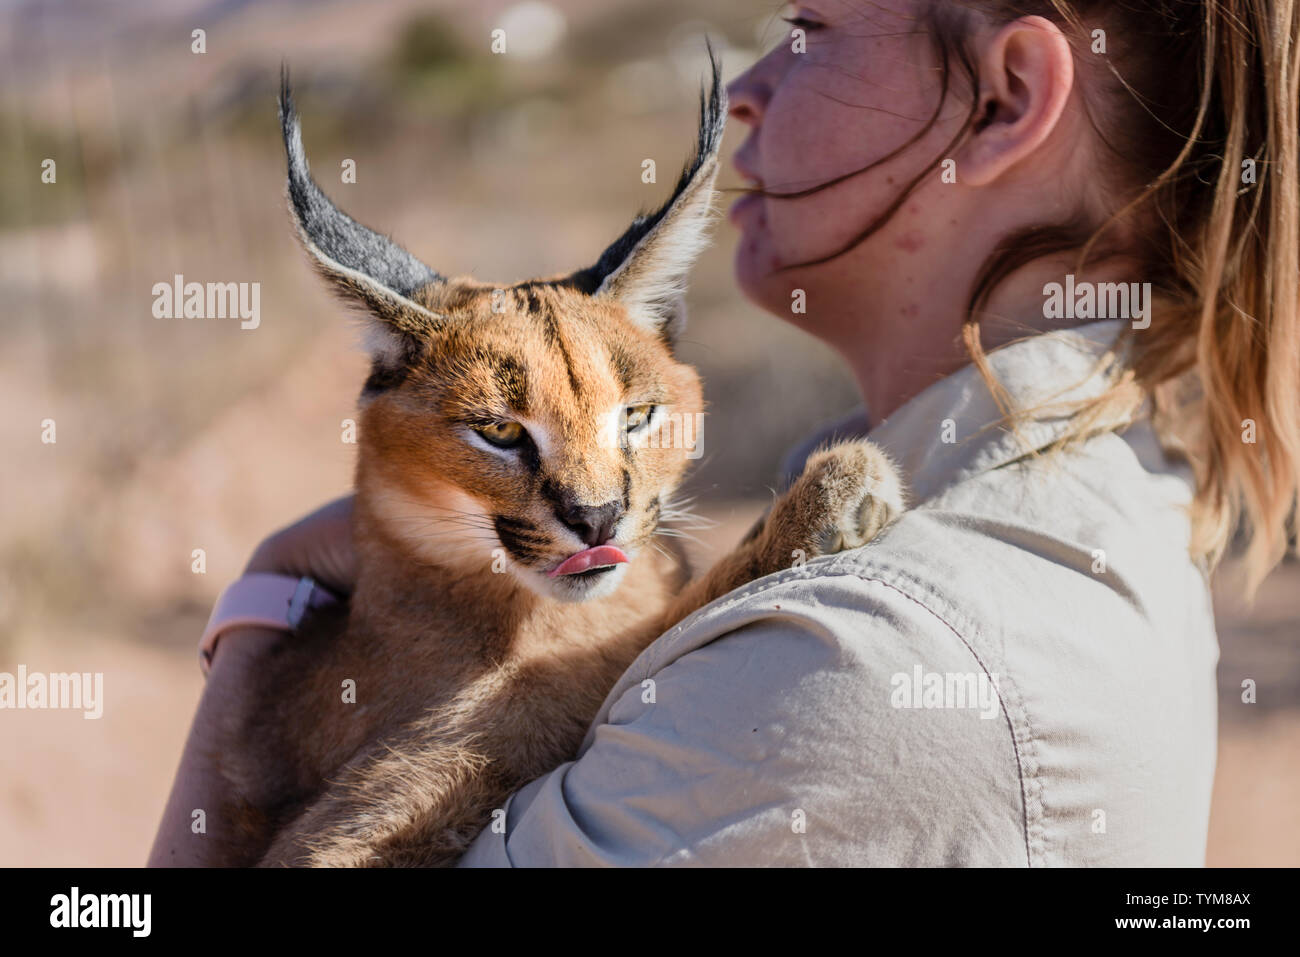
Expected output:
(1020, 671)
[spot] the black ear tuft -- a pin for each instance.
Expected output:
(646, 267)
(364, 265)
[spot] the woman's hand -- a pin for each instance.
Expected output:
(320, 546)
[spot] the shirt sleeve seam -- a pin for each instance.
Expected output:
(846, 565)
(1006, 710)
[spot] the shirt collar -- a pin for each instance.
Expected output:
(953, 431)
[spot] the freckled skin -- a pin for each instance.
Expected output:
(824, 120)
(910, 242)
(846, 143)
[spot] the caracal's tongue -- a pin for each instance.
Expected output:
(590, 558)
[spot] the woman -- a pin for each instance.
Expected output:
(1057, 245)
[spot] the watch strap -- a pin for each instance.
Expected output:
(261, 600)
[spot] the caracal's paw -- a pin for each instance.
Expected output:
(846, 495)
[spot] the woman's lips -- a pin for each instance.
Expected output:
(744, 166)
(589, 558)
(741, 207)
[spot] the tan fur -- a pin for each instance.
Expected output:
(470, 683)
(476, 670)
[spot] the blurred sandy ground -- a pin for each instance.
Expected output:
(175, 435)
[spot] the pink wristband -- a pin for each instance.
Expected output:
(264, 601)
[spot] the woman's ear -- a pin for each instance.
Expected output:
(1026, 74)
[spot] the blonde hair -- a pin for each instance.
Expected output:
(1200, 104)
(1203, 110)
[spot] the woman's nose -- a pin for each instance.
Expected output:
(746, 97)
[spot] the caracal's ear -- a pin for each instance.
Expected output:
(365, 268)
(646, 268)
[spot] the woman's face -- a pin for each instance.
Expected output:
(863, 86)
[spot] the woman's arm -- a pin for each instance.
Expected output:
(320, 546)
(199, 785)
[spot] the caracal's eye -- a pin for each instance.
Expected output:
(504, 435)
(635, 417)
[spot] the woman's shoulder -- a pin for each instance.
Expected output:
(1085, 554)
(811, 707)
(1040, 647)
(964, 690)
